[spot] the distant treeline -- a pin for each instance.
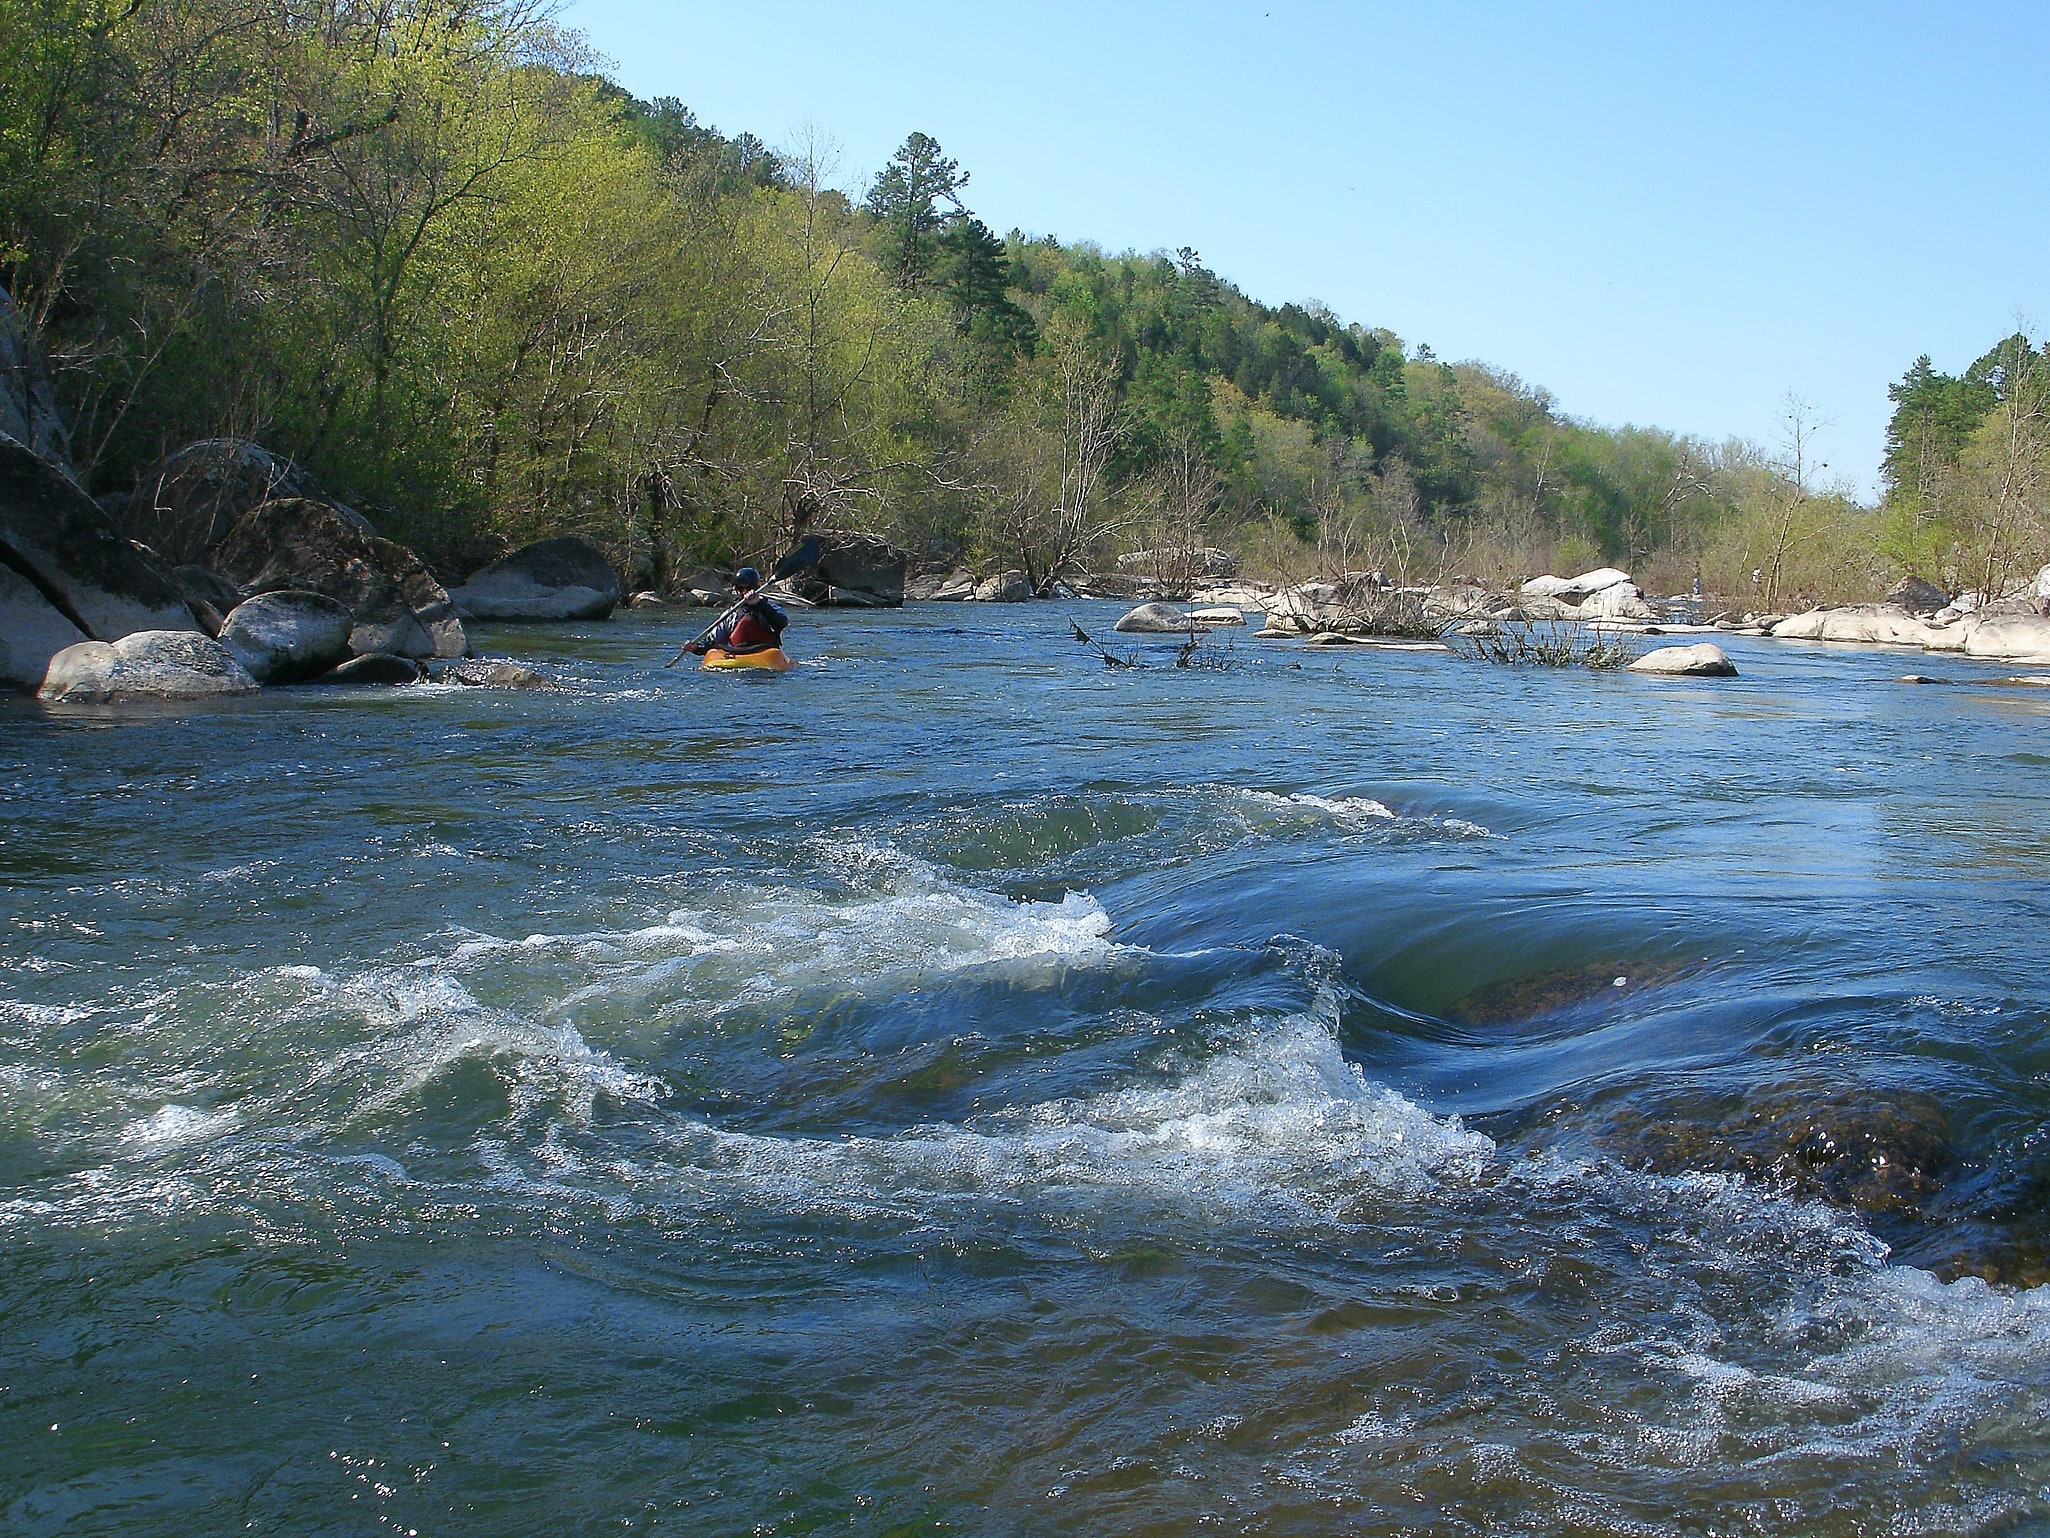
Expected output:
(430, 251)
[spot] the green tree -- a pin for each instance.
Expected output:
(905, 201)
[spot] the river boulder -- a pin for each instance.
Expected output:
(1619, 600)
(1870, 623)
(1006, 587)
(2006, 637)
(855, 571)
(285, 636)
(1706, 660)
(32, 631)
(376, 668)
(145, 665)
(553, 579)
(56, 537)
(1155, 619)
(956, 586)
(394, 603)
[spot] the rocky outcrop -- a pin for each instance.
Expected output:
(191, 500)
(1872, 623)
(2006, 637)
(147, 665)
(56, 537)
(394, 603)
(28, 409)
(31, 632)
(956, 586)
(1575, 590)
(554, 579)
(1704, 661)
(1155, 619)
(1217, 615)
(1007, 587)
(855, 571)
(286, 636)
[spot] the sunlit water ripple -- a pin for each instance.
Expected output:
(957, 1086)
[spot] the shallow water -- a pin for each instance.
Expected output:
(959, 1087)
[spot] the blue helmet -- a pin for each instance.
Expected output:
(747, 577)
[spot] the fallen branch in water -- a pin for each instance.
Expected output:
(1110, 658)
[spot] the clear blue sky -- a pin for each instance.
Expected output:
(1664, 213)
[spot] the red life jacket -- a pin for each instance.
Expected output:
(749, 631)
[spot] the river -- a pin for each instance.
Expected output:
(960, 1087)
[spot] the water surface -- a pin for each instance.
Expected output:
(957, 1086)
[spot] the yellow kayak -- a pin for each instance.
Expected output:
(772, 659)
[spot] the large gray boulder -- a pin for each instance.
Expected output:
(1619, 600)
(285, 636)
(28, 409)
(394, 603)
(191, 500)
(956, 586)
(148, 665)
(55, 535)
(1703, 661)
(1868, 623)
(31, 631)
(2008, 638)
(855, 571)
(553, 579)
(1007, 587)
(1156, 619)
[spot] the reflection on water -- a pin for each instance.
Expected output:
(957, 1084)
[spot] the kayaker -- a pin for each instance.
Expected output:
(755, 625)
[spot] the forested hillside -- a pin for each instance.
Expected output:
(430, 251)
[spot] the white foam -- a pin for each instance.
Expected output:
(175, 1125)
(1281, 1127)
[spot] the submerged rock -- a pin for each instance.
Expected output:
(286, 636)
(376, 668)
(552, 579)
(1706, 660)
(479, 674)
(1869, 1147)
(147, 665)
